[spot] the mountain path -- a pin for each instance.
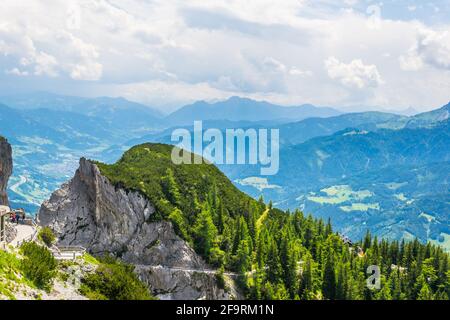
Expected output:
(261, 219)
(24, 233)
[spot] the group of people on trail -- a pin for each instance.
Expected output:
(15, 217)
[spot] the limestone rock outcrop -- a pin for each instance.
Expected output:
(6, 167)
(91, 212)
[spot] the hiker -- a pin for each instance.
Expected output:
(17, 218)
(23, 216)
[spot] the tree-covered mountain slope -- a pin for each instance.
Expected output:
(148, 168)
(431, 118)
(384, 180)
(273, 254)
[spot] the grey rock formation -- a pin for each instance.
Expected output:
(91, 212)
(172, 284)
(6, 167)
(10, 232)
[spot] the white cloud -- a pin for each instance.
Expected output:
(434, 48)
(273, 65)
(430, 48)
(410, 62)
(351, 2)
(294, 71)
(42, 46)
(17, 72)
(172, 52)
(88, 72)
(354, 74)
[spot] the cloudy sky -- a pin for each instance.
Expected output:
(392, 54)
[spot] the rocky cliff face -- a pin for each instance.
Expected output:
(91, 212)
(6, 166)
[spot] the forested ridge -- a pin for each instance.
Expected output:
(279, 255)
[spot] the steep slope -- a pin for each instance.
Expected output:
(431, 118)
(242, 109)
(299, 132)
(168, 220)
(123, 209)
(389, 181)
(6, 166)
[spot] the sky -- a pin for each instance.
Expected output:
(166, 53)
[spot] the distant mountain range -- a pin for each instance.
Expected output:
(118, 113)
(393, 181)
(242, 109)
(376, 170)
(90, 106)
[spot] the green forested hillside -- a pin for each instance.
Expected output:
(278, 255)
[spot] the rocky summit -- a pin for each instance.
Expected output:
(6, 166)
(90, 211)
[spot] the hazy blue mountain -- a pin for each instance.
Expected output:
(326, 160)
(243, 109)
(75, 125)
(124, 115)
(385, 180)
(409, 112)
(14, 123)
(41, 100)
(290, 133)
(93, 106)
(301, 131)
(429, 118)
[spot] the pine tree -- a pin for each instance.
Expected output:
(274, 269)
(328, 228)
(221, 217)
(342, 282)
(329, 278)
(170, 188)
(205, 232)
(243, 262)
(180, 225)
(385, 292)
(290, 263)
(367, 241)
(425, 292)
